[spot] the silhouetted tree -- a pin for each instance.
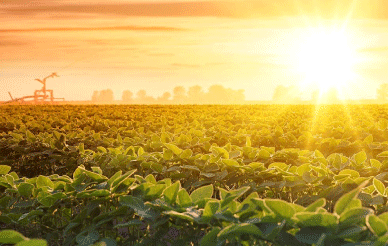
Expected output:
(382, 92)
(196, 94)
(286, 94)
(127, 96)
(179, 94)
(141, 95)
(217, 94)
(149, 99)
(279, 93)
(106, 96)
(164, 98)
(95, 96)
(103, 96)
(235, 96)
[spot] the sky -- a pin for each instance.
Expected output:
(158, 45)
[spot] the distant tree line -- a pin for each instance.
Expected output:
(292, 94)
(216, 94)
(103, 96)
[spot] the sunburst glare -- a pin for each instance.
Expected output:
(325, 59)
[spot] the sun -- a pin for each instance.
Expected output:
(326, 59)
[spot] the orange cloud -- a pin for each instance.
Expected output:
(113, 28)
(375, 9)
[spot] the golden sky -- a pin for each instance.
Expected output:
(157, 45)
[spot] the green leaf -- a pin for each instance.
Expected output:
(140, 151)
(307, 219)
(97, 170)
(376, 225)
(175, 149)
(150, 178)
(220, 151)
(278, 131)
(114, 177)
(100, 193)
(133, 222)
(210, 239)
(303, 169)
(187, 153)
(155, 191)
(352, 173)
(33, 242)
(310, 235)
(379, 186)
(343, 203)
(171, 192)
(375, 163)
(239, 229)
(320, 203)
(281, 208)
(106, 242)
(120, 179)
(352, 232)
(189, 167)
(30, 136)
(43, 181)
(239, 192)
(281, 165)
(210, 209)
(184, 198)
(231, 163)
(383, 154)
(248, 142)
(183, 216)
(102, 149)
(89, 239)
(25, 189)
(234, 154)
(202, 193)
(381, 241)
(257, 165)
(360, 157)
(11, 237)
(167, 154)
(95, 176)
(157, 167)
(318, 154)
(337, 161)
(368, 139)
(4, 169)
(264, 154)
(81, 148)
(384, 217)
(138, 205)
(354, 216)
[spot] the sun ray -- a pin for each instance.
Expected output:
(325, 59)
(349, 15)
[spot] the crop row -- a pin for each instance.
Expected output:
(128, 209)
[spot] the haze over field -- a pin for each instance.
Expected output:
(158, 45)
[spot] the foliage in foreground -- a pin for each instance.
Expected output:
(194, 175)
(127, 209)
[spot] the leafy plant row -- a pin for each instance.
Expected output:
(128, 209)
(44, 139)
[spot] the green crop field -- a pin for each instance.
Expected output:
(194, 175)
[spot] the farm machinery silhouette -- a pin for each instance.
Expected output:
(42, 96)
